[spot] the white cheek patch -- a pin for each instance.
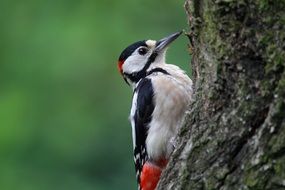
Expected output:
(134, 63)
(150, 43)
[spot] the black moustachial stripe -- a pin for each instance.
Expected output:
(158, 70)
(142, 118)
(142, 74)
(135, 77)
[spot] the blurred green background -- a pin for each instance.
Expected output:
(63, 104)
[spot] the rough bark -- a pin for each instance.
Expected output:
(234, 133)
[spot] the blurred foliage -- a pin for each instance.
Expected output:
(64, 106)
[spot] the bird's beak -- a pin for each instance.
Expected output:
(163, 43)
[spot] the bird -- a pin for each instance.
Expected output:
(161, 95)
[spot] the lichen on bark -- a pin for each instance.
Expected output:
(234, 133)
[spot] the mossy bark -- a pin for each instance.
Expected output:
(234, 133)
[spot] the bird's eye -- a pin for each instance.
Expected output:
(142, 51)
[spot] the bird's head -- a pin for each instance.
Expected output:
(139, 56)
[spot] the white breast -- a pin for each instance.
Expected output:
(172, 95)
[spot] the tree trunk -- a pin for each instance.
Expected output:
(234, 133)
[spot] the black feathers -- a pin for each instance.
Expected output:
(158, 70)
(136, 76)
(142, 118)
(130, 49)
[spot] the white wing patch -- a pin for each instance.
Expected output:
(133, 111)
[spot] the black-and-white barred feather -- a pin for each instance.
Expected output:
(142, 112)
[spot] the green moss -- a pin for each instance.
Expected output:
(263, 5)
(241, 61)
(275, 58)
(277, 142)
(184, 177)
(210, 184)
(222, 173)
(257, 178)
(279, 167)
(251, 179)
(281, 84)
(267, 5)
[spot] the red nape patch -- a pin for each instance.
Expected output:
(120, 66)
(150, 176)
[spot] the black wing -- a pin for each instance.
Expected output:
(142, 118)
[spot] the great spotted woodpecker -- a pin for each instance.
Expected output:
(161, 94)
